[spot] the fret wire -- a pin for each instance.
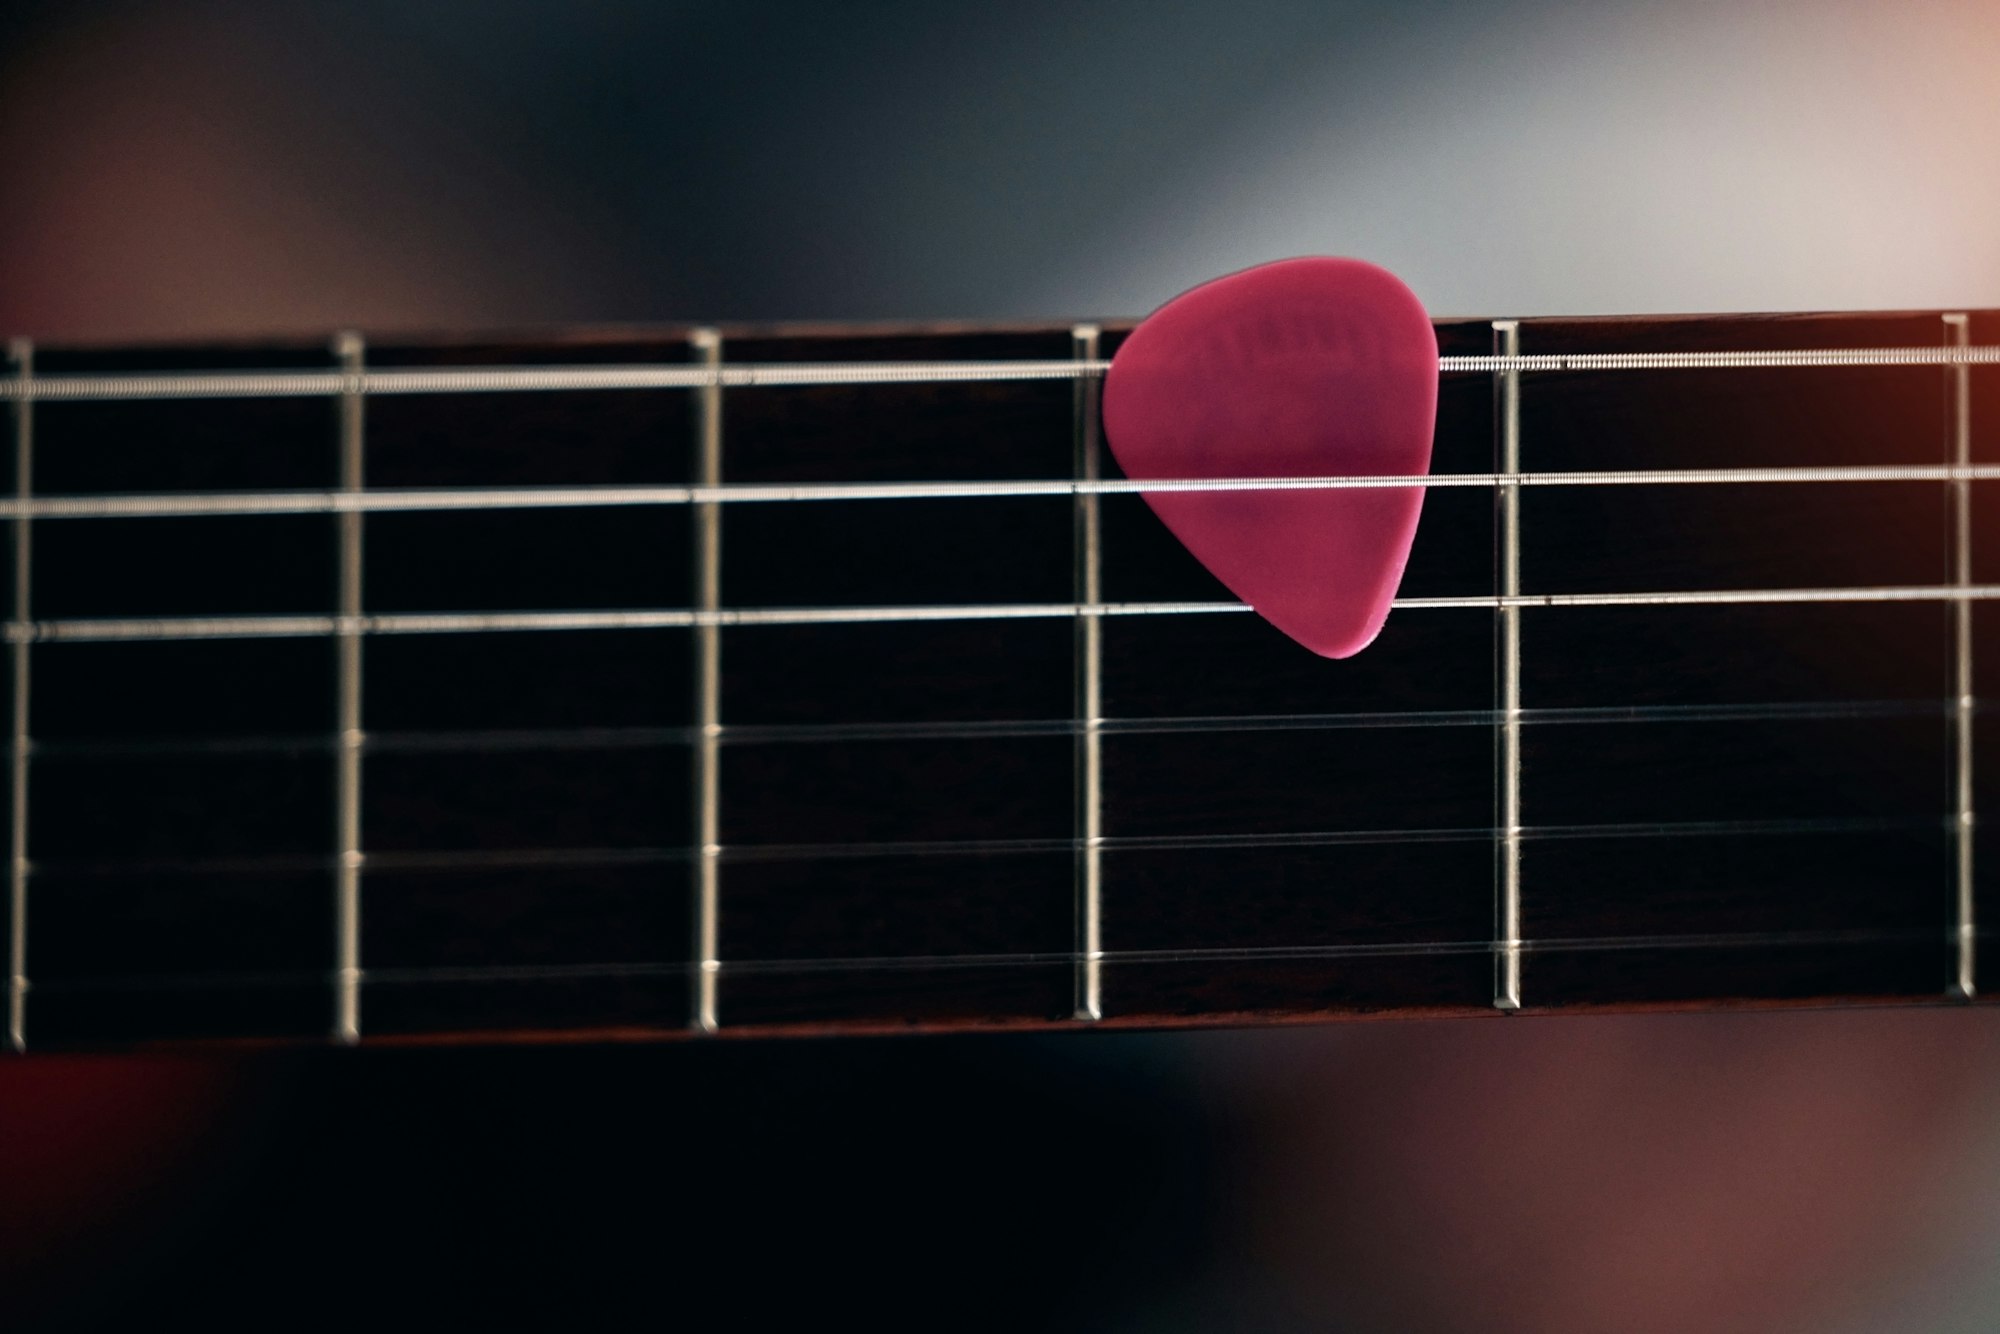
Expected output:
(1958, 336)
(545, 379)
(1507, 905)
(408, 623)
(351, 354)
(1089, 554)
(209, 505)
(707, 347)
(21, 353)
(477, 973)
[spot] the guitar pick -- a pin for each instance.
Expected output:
(1300, 368)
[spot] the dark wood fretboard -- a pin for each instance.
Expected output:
(413, 771)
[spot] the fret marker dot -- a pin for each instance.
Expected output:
(1301, 368)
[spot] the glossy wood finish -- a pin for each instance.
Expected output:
(1734, 804)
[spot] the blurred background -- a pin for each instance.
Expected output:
(183, 169)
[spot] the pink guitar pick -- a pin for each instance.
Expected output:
(1301, 368)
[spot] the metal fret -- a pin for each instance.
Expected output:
(707, 692)
(21, 353)
(1507, 908)
(1958, 334)
(1089, 697)
(348, 348)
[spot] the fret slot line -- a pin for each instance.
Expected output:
(1964, 984)
(21, 353)
(707, 348)
(718, 375)
(351, 353)
(1507, 905)
(1089, 696)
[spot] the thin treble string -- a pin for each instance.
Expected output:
(442, 499)
(738, 853)
(645, 736)
(541, 379)
(835, 965)
(123, 629)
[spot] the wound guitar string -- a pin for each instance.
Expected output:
(352, 385)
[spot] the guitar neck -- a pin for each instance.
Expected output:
(370, 699)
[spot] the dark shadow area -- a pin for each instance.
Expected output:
(981, 1183)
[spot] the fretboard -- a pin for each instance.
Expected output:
(656, 694)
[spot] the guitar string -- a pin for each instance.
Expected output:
(70, 388)
(1050, 960)
(449, 499)
(164, 628)
(645, 736)
(444, 622)
(571, 859)
(525, 859)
